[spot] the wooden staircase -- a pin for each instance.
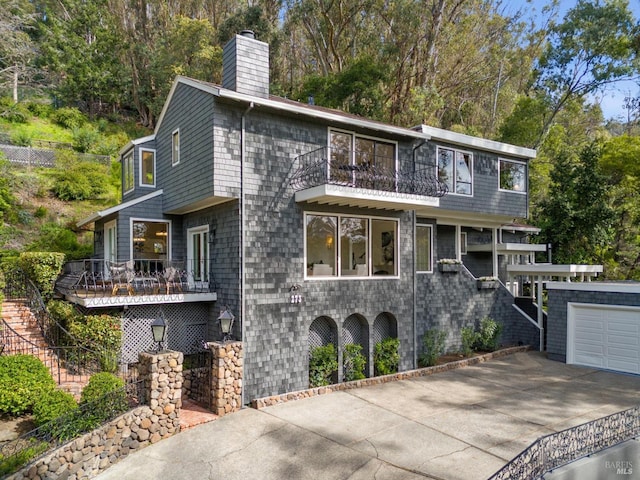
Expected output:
(19, 317)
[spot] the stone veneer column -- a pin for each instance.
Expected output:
(226, 377)
(162, 375)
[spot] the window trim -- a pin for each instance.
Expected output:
(175, 153)
(430, 227)
(338, 275)
(463, 243)
(456, 151)
(133, 220)
(140, 152)
(355, 135)
(126, 159)
(526, 174)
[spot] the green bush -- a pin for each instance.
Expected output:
(22, 138)
(79, 180)
(101, 333)
(13, 112)
(469, 340)
(103, 398)
(64, 313)
(69, 117)
(433, 342)
(57, 238)
(386, 357)
(12, 463)
(39, 109)
(51, 405)
(23, 378)
(84, 138)
(323, 362)
(42, 268)
(489, 333)
(354, 362)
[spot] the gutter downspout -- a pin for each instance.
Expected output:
(243, 302)
(415, 277)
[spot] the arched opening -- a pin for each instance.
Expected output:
(323, 352)
(355, 346)
(386, 357)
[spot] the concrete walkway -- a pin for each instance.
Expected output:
(463, 424)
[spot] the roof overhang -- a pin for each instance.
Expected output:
(199, 205)
(110, 211)
(135, 142)
(360, 197)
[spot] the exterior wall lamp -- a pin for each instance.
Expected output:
(158, 329)
(226, 319)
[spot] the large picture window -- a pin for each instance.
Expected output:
(350, 246)
(127, 172)
(424, 250)
(455, 168)
(513, 176)
(147, 168)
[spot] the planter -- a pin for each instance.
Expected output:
(449, 267)
(487, 284)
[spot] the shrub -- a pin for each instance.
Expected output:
(469, 340)
(64, 313)
(84, 138)
(11, 463)
(39, 109)
(69, 117)
(103, 398)
(22, 138)
(40, 212)
(42, 268)
(13, 112)
(23, 378)
(354, 362)
(97, 332)
(489, 333)
(433, 342)
(57, 238)
(386, 357)
(51, 405)
(323, 362)
(78, 180)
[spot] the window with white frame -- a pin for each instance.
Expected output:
(147, 167)
(424, 248)
(463, 243)
(513, 176)
(455, 169)
(175, 147)
(350, 246)
(127, 172)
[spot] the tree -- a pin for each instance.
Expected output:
(592, 48)
(575, 217)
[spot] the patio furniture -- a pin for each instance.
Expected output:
(172, 277)
(121, 275)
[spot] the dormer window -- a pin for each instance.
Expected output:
(147, 168)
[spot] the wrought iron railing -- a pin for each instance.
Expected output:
(100, 278)
(358, 170)
(560, 448)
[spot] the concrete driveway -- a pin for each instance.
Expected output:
(462, 424)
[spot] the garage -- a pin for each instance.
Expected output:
(604, 336)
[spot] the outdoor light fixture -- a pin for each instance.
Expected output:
(329, 242)
(158, 328)
(295, 294)
(226, 323)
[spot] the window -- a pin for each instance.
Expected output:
(175, 147)
(455, 168)
(349, 246)
(127, 172)
(147, 168)
(463, 243)
(353, 157)
(513, 176)
(424, 251)
(198, 253)
(150, 241)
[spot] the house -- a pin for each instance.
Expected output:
(310, 225)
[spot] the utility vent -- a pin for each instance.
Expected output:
(245, 65)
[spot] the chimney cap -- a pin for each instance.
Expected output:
(248, 33)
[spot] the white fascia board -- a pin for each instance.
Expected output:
(596, 287)
(476, 142)
(109, 211)
(133, 143)
(296, 108)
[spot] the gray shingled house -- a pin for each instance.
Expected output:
(310, 225)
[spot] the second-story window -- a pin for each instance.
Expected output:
(175, 147)
(147, 168)
(455, 168)
(513, 176)
(127, 172)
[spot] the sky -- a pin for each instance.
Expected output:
(612, 100)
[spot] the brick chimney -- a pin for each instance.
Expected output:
(245, 65)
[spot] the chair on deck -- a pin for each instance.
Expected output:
(121, 275)
(173, 279)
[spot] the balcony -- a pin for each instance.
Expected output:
(99, 283)
(363, 180)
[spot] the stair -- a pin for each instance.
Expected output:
(19, 317)
(528, 306)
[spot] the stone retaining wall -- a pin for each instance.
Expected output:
(421, 372)
(87, 456)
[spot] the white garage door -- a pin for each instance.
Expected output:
(604, 336)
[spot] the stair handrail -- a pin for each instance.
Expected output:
(5, 339)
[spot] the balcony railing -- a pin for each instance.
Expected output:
(357, 170)
(101, 278)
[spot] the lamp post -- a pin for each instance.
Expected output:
(226, 323)
(158, 328)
